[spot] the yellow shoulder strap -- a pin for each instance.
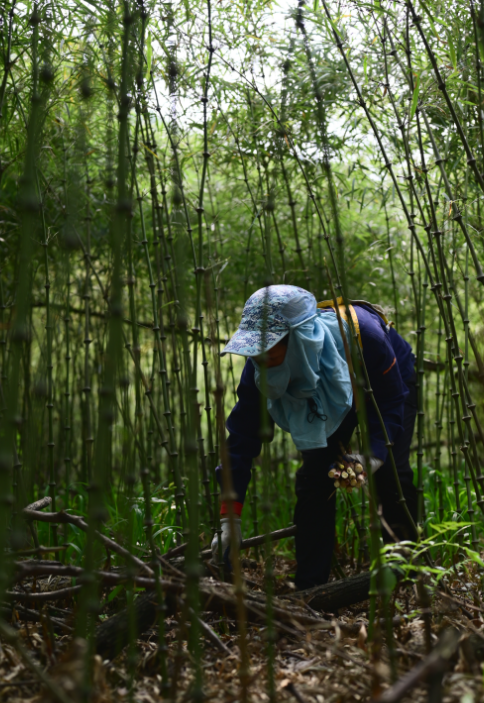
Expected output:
(342, 310)
(376, 308)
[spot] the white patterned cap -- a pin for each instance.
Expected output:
(268, 316)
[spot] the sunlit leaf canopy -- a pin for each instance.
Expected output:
(260, 80)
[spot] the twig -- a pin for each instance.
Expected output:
(43, 596)
(260, 539)
(35, 616)
(39, 504)
(462, 606)
(212, 636)
(433, 664)
(27, 682)
(292, 689)
(218, 593)
(12, 638)
(26, 569)
(62, 517)
(38, 550)
(166, 565)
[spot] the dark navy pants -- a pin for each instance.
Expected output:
(316, 500)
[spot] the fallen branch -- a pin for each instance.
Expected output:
(18, 684)
(44, 567)
(462, 606)
(37, 550)
(433, 665)
(214, 596)
(39, 597)
(48, 568)
(212, 636)
(62, 518)
(32, 515)
(11, 636)
(34, 616)
(113, 634)
(39, 504)
(246, 543)
(292, 689)
(260, 539)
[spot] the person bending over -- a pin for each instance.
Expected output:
(309, 394)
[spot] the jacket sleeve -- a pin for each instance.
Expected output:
(386, 381)
(243, 424)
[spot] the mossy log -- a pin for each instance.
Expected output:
(337, 594)
(113, 634)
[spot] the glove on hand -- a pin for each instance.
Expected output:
(225, 539)
(360, 459)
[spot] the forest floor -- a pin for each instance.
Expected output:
(330, 666)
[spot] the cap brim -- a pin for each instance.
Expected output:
(252, 343)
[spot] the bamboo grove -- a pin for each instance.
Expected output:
(159, 162)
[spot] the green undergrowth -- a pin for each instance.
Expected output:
(446, 540)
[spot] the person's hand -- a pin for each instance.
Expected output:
(225, 539)
(347, 474)
(349, 471)
(360, 459)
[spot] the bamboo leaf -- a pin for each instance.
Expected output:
(441, 22)
(114, 593)
(332, 25)
(430, 18)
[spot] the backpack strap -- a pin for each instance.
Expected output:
(376, 308)
(342, 310)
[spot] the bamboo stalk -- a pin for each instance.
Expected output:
(471, 160)
(228, 497)
(29, 206)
